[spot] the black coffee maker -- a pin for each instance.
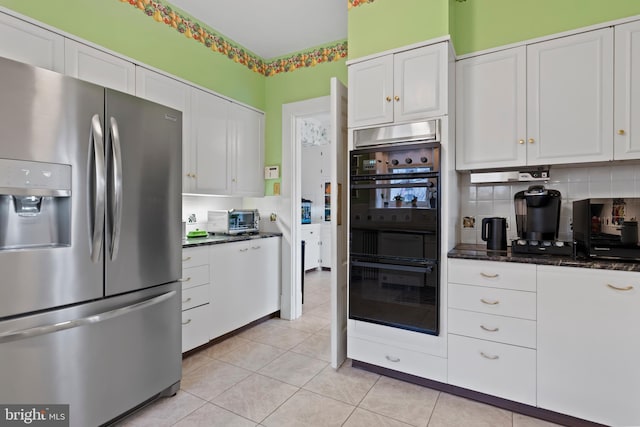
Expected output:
(537, 213)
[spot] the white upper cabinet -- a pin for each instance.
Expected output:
(95, 66)
(491, 110)
(406, 86)
(247, 138)
(210, 154)
(546, 103)
(31, 44)
(627, 92)
(228, 145)
(570, 99)
(164, 90)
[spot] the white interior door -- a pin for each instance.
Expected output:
(339, 236)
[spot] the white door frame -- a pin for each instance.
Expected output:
(291, 302)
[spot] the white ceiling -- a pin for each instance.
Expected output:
(272, 28)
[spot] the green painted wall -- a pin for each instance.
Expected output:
(121, 28)
(482, 24)
(284, 88)
(388, 24)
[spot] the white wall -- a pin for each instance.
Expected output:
(574, 183)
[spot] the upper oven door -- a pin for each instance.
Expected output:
(394, 202)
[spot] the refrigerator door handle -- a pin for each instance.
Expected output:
(97, 208)
(116, 153)
(96, 318)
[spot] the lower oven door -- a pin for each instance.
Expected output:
(399, 295)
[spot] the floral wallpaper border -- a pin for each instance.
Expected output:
(355, 3)
(192, 29)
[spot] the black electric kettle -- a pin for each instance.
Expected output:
(494, 232)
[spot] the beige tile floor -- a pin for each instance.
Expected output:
(278, 374)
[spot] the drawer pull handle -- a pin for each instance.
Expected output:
(489, 276)
(484, 301)
(185, 280)
(184, 301)
(186, 323)
(255, 247)
(392, 359)
(484, 328)
(244, 250)
(617, 288)
(186, 259)
(486, 356)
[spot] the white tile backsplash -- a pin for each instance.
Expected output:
(574, 183)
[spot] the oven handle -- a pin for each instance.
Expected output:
(396, 267)
(357, 186)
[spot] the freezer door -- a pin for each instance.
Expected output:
(50, 246)
(144, 200)
(101, 358)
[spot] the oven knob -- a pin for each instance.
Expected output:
(559, 244)
(394, 162)
(424, 159)
(408, 160)
(533, 243)
(546, 243)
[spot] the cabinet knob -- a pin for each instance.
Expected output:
(521, 141)
(388, 99)
(621, 132)
(531, 140)
(397, 98)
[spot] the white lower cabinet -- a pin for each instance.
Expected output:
(492, 328)
(311, 237)
(245, 283)
(402, 350)
(589, 344)
(196, 312)
(502, 370)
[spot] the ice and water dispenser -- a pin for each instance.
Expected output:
(35, 204)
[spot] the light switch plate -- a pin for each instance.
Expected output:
(272, 172)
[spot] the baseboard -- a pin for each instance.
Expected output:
(510, 405)
(230, 334)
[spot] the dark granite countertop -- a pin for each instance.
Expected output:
(215, 239)
(480, 252)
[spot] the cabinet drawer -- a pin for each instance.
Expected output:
(195, 276)
(505, 275)
(192, 257)
(503, 302)
(194, 327)
(195, 296)
(498, 369)
(507, 330)
(398, 359)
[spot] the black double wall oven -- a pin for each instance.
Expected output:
(394, 236)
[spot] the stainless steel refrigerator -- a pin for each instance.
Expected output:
(90, 244)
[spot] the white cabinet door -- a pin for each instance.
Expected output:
(93, 65)
(210, 154)
(420, 83)
(371, 92)
(311, 237)
(245, 283)
(247, 143)
(491, 110)
(570, 99)
(325, 245)
(627, 91)
(31, 44)
(588, 346)
(172, 93)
